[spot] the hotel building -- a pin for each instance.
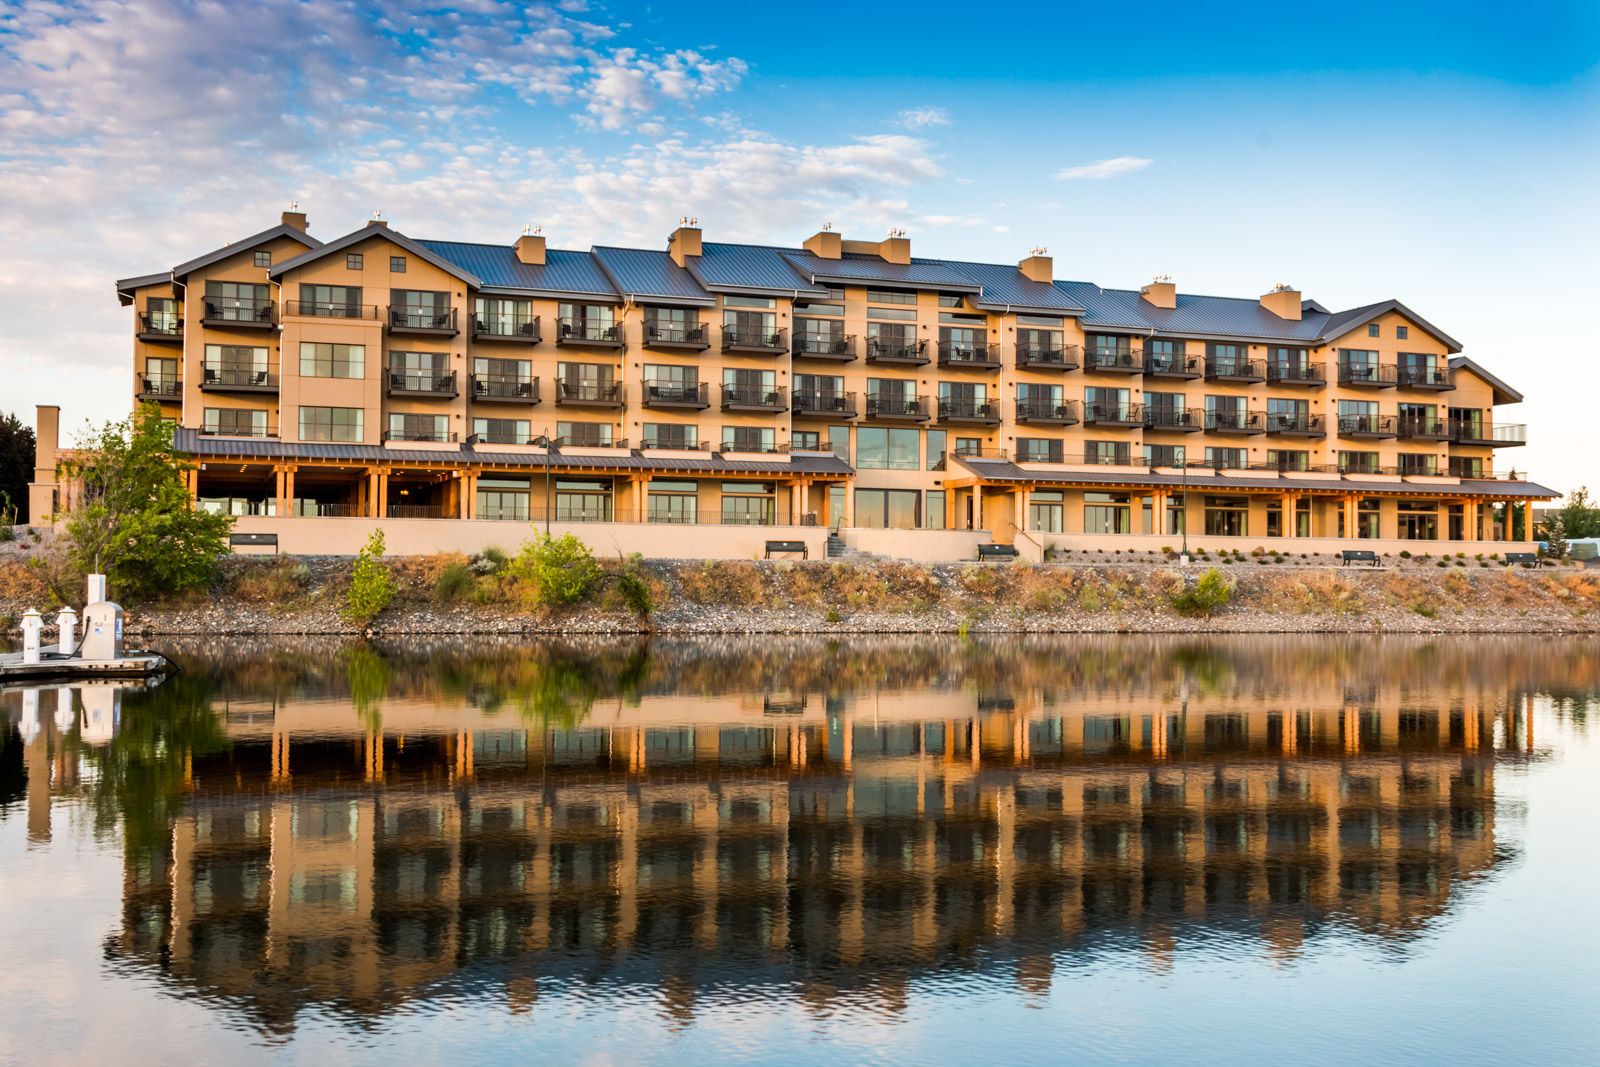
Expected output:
(700, 398)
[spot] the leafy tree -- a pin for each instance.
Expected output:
(133, 519)
(559, 570)
(1580, 516)
(371, 584)
(16, 469)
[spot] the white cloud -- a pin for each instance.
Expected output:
(919, 117)
(1105, 168)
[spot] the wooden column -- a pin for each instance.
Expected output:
(1019, 511)
(825, 512)
(382, 495)
(950, 496)
(1290, 502)
(288, 490)
(1349, 517)
(1527, 521)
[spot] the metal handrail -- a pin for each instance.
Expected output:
(331, 309)
(421, 317)
(663, 391)
(758, 337)
(519, 326)
(436, 436)
(815, 402)
(676, 333)
(240, 309)
(1035, 407)
(962, 407)
(422, 381)
(491, 387)
(749, 396)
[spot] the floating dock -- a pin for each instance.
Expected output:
(54, 668)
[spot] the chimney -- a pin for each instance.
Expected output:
(685, 240)
(297, 219)
(378, 222)
(530, 249)
(824, 244)
(896, 248)
(1038, 267)
(1283, 301)
(1161, 292)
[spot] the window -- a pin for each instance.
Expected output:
(584, 434)
(583, 501)
(1045, 511)
(888, 509)
(748, 504)
(503, 498)
(1283, 460)
(1234, 459)
(1228, 359)
(935, 450)
(751, 320)
(1401, 333)
(933, 515)
(1106, 513)
(1163, 455)
(766, 302)
(1418, 463)
(747, 439)
(839, 441)
(161, 375)
(1107, 344)
(902, 315)
(891, 395)
(331, 301)
(1115, 453)
(236, 365)
(1227, 516)
(1040, 450)
(502, 377)
(1106, 405)
(319, 359)
(806, 441)
(420, 309)
(671, 501)
(352, 261)
(671, 435)
(663, 381)
(890, 296)
(331, 424)
(502, 317)
(161, 314)
(238, 302)
(1466, 466)
(501, 431)
(1372, 329)
(413, 427)
(397, 264)
(887, 448)
(263, 259)
(954, 300)
(1358, 463)
(235, 422)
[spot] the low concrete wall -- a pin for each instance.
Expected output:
(1142, 543)
(420, 537)
(924, 546)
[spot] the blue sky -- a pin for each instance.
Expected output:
(1444, 154)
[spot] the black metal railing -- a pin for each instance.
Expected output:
(813, 402)
(1423, 428)
(913, 350)
(1173, 365)
(1164, 418)
(895, 406)
(1295, 372)
(331, 309)
(1121, 360)
(430, 318)
(753, 398)
(1236, 370)
(1047, 409)
(609, 393)
(1419, 466)
(417, 511)
(752, 444)
(1377, 375)
(1047, 357)
(1368, 426)
(754, 339)
(576, 441)
(1429, 377)
(243, 311)
(487, 387)
(160, 326)
(160, 387)
(579, 331)
(422, 382)
(685, 334)
(663, 393)
(1303, 423)
(221, 429)
(506, 327)
(224, 376)
(960, 354)
(1041, 452)
(417, 433)
(827, 345)
(500, 437)
(969, 409)
(1236, 420)
(675, 441)
(1111, 413)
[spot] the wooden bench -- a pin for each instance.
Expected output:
(1358, 555)
(788, 546)
(1530, 558)
(986, 552)
(254, 540)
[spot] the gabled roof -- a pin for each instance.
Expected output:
(650, 275)
(126, 286)
(750, 269)
(368, 232)
(1221, 317)
(1342, 322)
(1503, 393)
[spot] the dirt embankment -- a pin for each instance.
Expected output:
(449, 594)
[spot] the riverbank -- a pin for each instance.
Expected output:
(455, 595)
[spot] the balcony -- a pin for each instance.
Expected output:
(1043, 411)
(969, 410)
(676, 443)
(159, 387)
(1171, 419)
(677, 336)
(500, 438)
(239, 313)
(1112, 360)
(509, 390)
(958, 355)
(897, 408)
(586, 333)
(1367, 375)
(1296, 424)
(518, 328)
(1236, 421)
(1417, 428)
(753, 398)
(265, 429)
(825, 405)
(1047, 357)
(221, 378)
(416, 433)
(840, 347)
(428, 384)
(1236, 370)
(324, 309)
(1293, 372)
(1435, 378)
(755, 340)
(903, 351)
(1041, 452)
(1368, 426)
(160, 328)
(665, 394)
(426, 320)
(1110, 414)
(1180, 367)
(589, 394)
(758, 445)
(1474, 432)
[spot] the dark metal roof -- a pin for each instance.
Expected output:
(749, 268)
(369, 232)
(126, 286)
(853, 268)
(189, 440)
(563, 273)
(1204, 316)
(650, 275)
(1001, 470)
(1005, 286)
(283, 229)
(1503, 393)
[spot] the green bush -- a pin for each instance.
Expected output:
(560, 570)
(371, 584)
(1209, 593)
(1405, 553)
(833, 615)
(635, 593)
(455, 582)
(489, 561)
(7, 533)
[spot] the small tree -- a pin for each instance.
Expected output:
(559, 570)
(1556, 541)
(1580, 517)
(371, 585)
(1209, 593)
(133, 519)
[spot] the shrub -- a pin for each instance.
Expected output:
(1209, 593)
(371, 585)
(1405, 553)
(635, 593)
(7, 533)
(455, 582)
(489, 561)
(833, 615)
(1442, 563)
(559, 570)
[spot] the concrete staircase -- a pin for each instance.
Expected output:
(838, 550)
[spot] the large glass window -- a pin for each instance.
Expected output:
(671, 435)
(885, 448)
(892, 509)
(502, 316)
(583, 501)
(421, 308)
(331, 301)
(1041, 450)
(503, 498)
(410, 426)
(1227, 516)
(1106, 513)
(238, 301)
(1045, 509)
(501, 431)
(331, 424)
(933, 514)
(235, 422)
(319, 359)
(748, 504)
(236, 365)
(673, 501)
(1163, 455)
(584, 434)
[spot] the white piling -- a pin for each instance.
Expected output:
(31, 627)
(67, 644)
(97, 589)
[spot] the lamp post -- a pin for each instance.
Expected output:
(548, 446)
(1183, 517)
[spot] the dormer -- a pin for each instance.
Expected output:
(1284, 301)
(1161, 292)
(685, 241)
(1038, 267)
(824, 244)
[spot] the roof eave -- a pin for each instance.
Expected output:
(387, 233)
(1499, 386)
(283, 229)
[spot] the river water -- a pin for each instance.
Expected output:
(1110, 848)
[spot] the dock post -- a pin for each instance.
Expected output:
(31, 626)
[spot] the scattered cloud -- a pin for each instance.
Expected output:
(918, 118)
(1105, 168)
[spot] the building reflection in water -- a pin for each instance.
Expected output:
(839, 827)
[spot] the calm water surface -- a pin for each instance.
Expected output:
(893, 851)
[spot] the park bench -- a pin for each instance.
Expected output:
(788, 546)
(254, 540)
(1359, 555)
(1530, 558)
(986, 552)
